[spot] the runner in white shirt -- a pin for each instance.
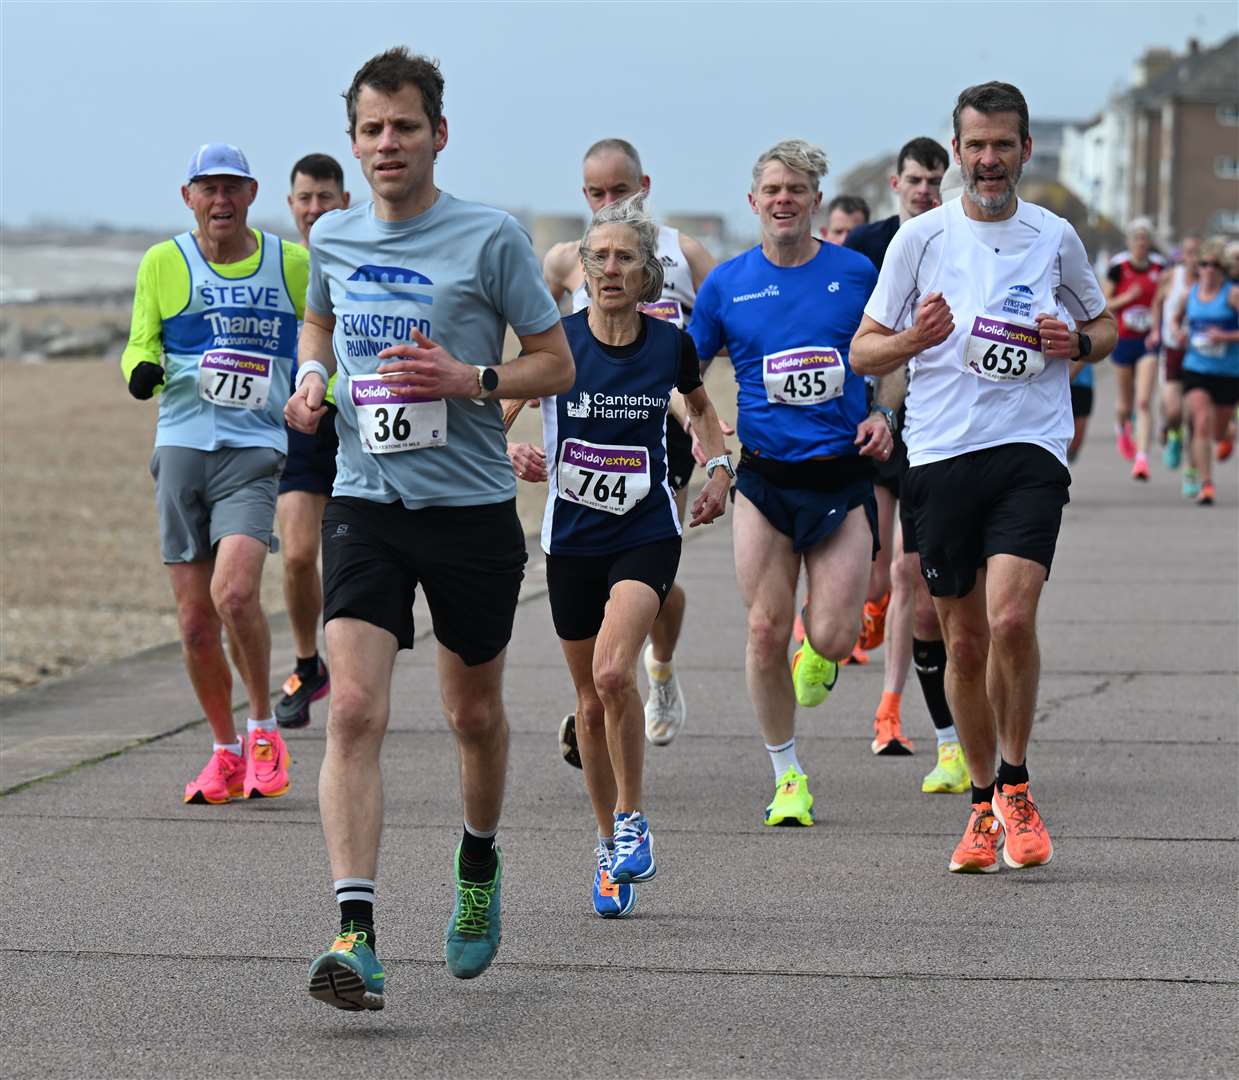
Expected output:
(989, 281)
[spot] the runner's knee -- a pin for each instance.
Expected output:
(613, 682)
(966, 654)
(767, 643)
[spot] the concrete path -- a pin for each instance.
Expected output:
(151, 939)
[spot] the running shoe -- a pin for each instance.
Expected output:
(266, 764)
(798, 628)
(1028, 842)
(293, 709)
(813, 676)
(1172, 455)
(611, 901)
(568, 749)
(1140, 470)
(873, 623)
(1225, 448)
(348, 975)
(792, 803)
(1123, 440)
(888, 737)
(664, 712)
(633, 860)
(1206, 495)
(473, 931)
(222, 778)
(856, 656)
(950, 775)
(1191, 483)
(977, 852)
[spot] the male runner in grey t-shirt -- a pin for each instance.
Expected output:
(409, 299)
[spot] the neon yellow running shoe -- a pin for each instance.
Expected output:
(813, 676)
(950, 775)
(792, 804)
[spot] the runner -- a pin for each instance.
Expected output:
(214, 332)
(612, 535)
(1172, 290)
(843, 214)
(785, 311)
(898, 609)
(317, 186)
(612, 171)
(1210, 315)
(1131, 284)
(985, 279)
(409, 296)
(1081, 405)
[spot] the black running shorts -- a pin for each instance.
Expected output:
(469, 561)
(311, 464)
(1081, 400)
(1222, 389)
(580, 585)
(1005, 500)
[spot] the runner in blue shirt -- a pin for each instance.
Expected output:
(611, 529)
(786, 311)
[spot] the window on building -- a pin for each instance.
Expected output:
(1224, 221)
(1228, 114)
(1226, 167)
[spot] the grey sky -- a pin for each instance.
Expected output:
(103, 103)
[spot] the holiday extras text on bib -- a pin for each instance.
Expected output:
(803, 376)
(610, 478)
(392, 417)
(1004, 351)
(238, 380)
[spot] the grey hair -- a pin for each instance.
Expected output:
(617, 146)
(630, 213)
(796, 154)
(1140, 225)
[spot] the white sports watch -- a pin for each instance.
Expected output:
(723, 460)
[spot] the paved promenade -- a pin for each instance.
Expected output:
(146, 938)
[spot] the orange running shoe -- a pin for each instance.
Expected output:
(1028, 841)
(266, 764)
(1140, 470)
(858, 656)
(1225, 448)
(888, 737)
(1206, 495)
(221, 780)
(873, 623)
(977, 852)
(798, 629)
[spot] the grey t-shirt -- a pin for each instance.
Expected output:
(459, 273)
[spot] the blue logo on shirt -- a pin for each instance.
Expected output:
(389, 275)
(1019, 301)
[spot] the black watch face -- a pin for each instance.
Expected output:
(490, 379)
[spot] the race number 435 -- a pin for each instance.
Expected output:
(803, 376)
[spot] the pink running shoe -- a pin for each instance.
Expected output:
(1126, 444)
(221, 780)
(266, 764)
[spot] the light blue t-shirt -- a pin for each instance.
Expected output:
(788, 331)
(459, 273)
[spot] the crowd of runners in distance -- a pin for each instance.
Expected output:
(906, 391)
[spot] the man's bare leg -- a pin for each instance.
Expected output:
(1013, 590)
(235, 588)
(965, 630)
(202, 646)
(300, 516)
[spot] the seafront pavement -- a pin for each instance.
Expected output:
(148, 938)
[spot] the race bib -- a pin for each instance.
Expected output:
(1137, 319)
(1004, 352)
(804, 376)
(392, 418)
(237, 380)
(609, 478)
(1202, 346)
(666, 309)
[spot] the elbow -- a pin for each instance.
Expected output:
(860, 360)
(565, 375)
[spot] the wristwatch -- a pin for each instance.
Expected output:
(890, 416)
(1086, 345)
(488, 381)
(723, 460)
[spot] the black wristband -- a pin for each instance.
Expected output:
(144, 379)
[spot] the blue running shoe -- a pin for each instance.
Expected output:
(473, 931)
(611, 901)
(348, 975)
(634, 849)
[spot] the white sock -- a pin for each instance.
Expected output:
(946, 735)
(237, 747)
(656, 669)
(260, 725)
(784, 758)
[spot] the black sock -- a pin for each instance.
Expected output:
(307, 666)
(1012, 774)
(983, 794)
(929, 658)
(358, 915)
(478, 860)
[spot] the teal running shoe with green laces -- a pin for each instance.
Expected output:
(813, 676)
(473, 931)
(348, 975)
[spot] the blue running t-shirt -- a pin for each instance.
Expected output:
(788, 331)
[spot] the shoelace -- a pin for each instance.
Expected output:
(604, 858)
(627, 837)
(985, 826)
(1022, 810)
(664, 697)
(346, 939)
(474, 917)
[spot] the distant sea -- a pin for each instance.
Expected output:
(36, 272)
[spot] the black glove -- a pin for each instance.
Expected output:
(143, 380)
